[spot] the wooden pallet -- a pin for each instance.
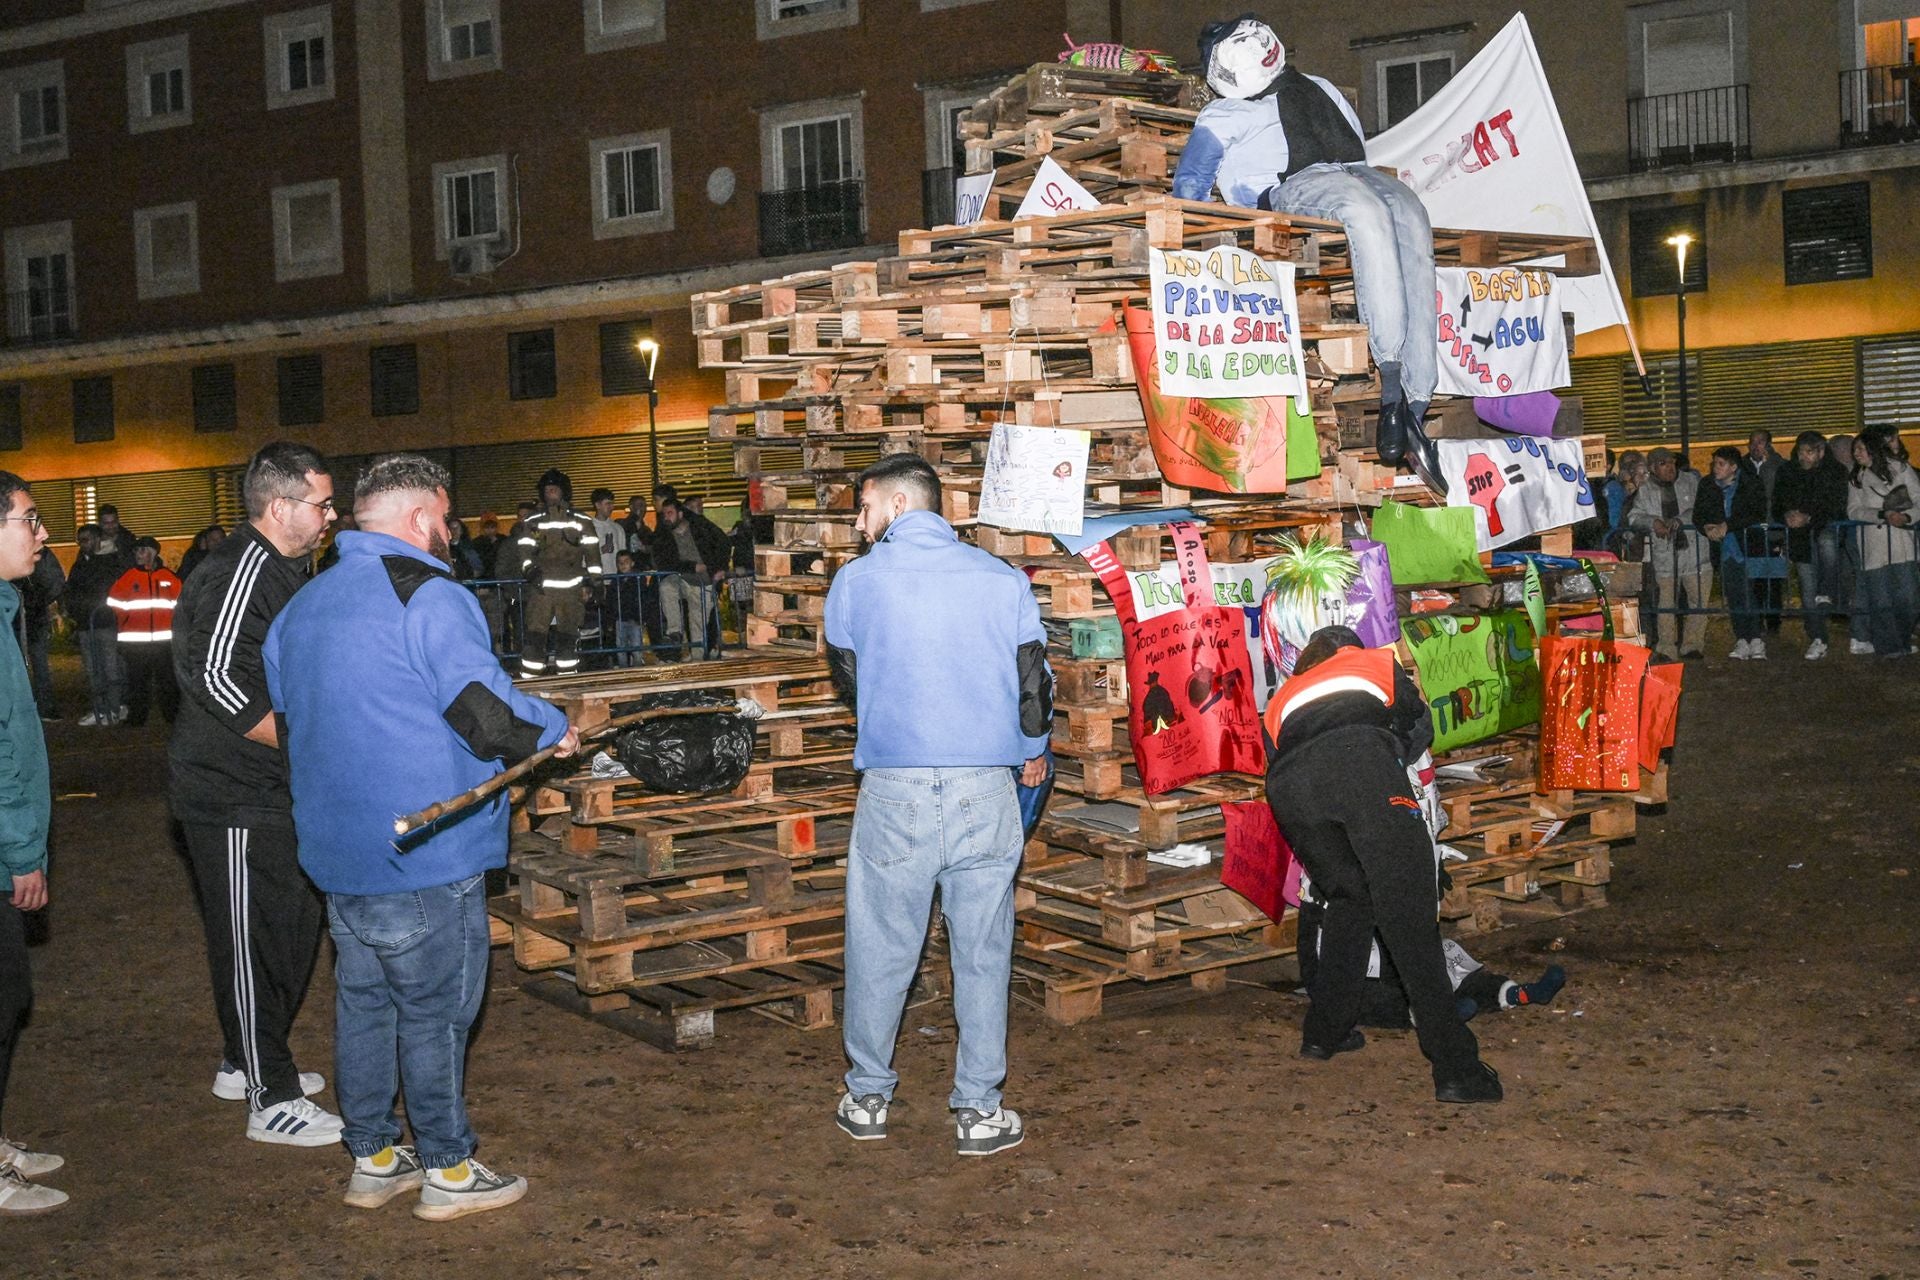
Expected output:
(678, 1014)
(1068, 980)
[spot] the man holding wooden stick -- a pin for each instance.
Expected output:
(391, 697)
(942, 648)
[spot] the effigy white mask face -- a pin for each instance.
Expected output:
(1247, 61)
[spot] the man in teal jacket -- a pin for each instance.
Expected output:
(26, 803)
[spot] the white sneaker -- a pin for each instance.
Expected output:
(476, 1191)
(1860, 648)
(295, 1123)
(89, 720)
(864, 1118)
(31, 1164)
(1742, 650)
(230, 1083)
(1816, 650)
(373, 1184)
(120, 716)
(20, 1197)
(1757, 650)
(982, 1135)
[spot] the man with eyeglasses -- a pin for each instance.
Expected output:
(230, 794)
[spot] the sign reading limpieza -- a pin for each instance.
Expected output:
(1226, 325)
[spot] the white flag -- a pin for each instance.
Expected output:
(1488, 153)
(1054, 191)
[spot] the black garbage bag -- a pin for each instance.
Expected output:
(686, 753)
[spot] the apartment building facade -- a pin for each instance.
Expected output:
(437, 224)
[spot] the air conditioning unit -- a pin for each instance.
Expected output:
(474, 259)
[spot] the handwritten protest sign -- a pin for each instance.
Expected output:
(1035, 479)
(1517, 485)
(1225, 324)
(1501, 332)
(970, 193)
(1479, 673)
(1054, 191)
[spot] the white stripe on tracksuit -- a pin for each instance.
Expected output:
(240, 909)
(226, 630)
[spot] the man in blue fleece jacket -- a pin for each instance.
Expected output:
(941, 647)
(392, 699)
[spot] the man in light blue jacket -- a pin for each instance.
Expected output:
(942, 649)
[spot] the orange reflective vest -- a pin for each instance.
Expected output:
(143, 601)
(1347, 671)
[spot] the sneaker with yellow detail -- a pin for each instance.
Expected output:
(468, 1187)
(383, 1175)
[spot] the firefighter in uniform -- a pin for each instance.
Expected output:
(559, 553)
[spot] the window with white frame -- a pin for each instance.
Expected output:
(159, 85)
(776, 18)
(1405, 84)
(166, 249)
(306, 231)
(620, 24)
(39, 277)
(299, 56)
(463, 37)
(814, 153)
(34, 99)
(632, 184)
(469, 203)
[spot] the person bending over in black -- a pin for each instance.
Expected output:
(1341, 733)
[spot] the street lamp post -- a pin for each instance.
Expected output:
(651, 350)
(1680, 243)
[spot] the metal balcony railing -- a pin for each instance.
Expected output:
(1700, 126)
(936, 196)
(831, 215)
(38, 315)
(1877, 105)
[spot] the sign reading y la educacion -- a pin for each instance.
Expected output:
(1226, 325)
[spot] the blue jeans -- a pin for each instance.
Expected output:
(1892, 603)
(1737, 587)
(410, 977)
(915, 829)
(1820, 583)
(1391, 243)
(106, 673)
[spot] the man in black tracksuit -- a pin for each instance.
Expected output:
(230, 793)
(1342, 731)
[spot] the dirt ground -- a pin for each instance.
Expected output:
(1728, 1087)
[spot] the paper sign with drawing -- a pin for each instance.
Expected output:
(1226, 325)
(1517, 486)
(1035, 479)
(1501, 331)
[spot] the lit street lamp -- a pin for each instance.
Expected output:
(1680, 243)
(651, 350)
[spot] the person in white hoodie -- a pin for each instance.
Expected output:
(1883, 495)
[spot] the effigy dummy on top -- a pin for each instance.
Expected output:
(1278, 139)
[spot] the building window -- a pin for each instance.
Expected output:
(623, 366)
(1405, 84)
(1687, 83)
(216, 406)
(34, 99)
(620, 24)
(159, 85)
(395, 377)
(531, 372)
(1653, 263)
(776, 18)
(93, 409)
(12, 422)
(40, 286)
(306, 231)
(632, 184)
(299, 53)
(303, 399)
(166, 248)
(1829, 233)
(812, 195)
(463, 37)
(469, 203)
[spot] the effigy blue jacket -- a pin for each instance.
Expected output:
(1240, 145)
(392, 700)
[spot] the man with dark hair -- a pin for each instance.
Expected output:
(229, 793)
(94, 573)
(559, 556)
(1342, 731)
(115, 538)
(692, 552)
(26, 805)
(941, 648)
(612, 536)
(392, 700)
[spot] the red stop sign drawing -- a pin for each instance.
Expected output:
(1484, 486)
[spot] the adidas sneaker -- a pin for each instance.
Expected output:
(374, 1183)
(31, 1164)
(294, 1123)
(22, 1198)
(468, 1187)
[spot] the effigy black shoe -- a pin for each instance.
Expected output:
(1390, 439)
(1320, 1052)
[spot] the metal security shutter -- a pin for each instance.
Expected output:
(395, 379)
(93, 409)
(623, 369)
(1828, 233)
(1890, 381)
(55, 500)
(1596, 380)
(1784, 387)
(1655, 418)
(229, 497)
(302, 395)
(498, 477)
(215, 404)
(11, 428)
(160, 504)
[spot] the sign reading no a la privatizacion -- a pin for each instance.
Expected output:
(1226, 325)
